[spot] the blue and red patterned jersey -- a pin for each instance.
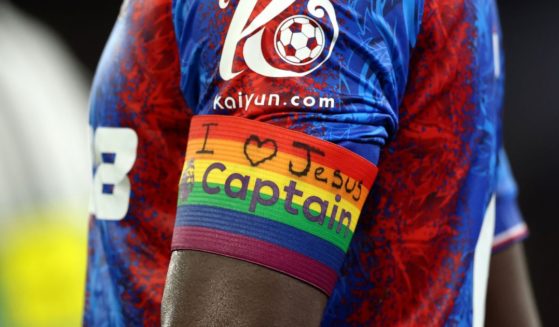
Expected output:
(415, 87)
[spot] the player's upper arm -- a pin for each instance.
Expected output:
(316, 88)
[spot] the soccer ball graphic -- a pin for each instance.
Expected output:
(299, 40)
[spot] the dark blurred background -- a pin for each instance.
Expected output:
(531, 36)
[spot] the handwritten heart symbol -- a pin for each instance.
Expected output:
(256, 152)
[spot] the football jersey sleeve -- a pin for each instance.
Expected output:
(333, 70)
(509, 225)
(293, 101)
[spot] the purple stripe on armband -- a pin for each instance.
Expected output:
(253, 250)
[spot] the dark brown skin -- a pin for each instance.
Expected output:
(510, 301)
(209, 290)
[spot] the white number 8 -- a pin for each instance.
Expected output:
(114, 154)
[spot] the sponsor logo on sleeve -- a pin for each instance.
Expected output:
(299, 40)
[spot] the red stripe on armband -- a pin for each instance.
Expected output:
(271, 196)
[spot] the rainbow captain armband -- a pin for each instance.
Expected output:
(271, 196)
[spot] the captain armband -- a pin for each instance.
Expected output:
(271, 196)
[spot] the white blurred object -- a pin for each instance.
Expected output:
(44, 176)
(44, 151)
